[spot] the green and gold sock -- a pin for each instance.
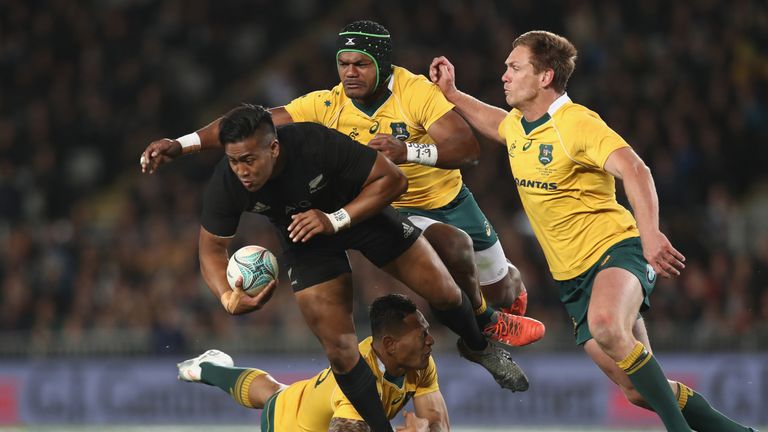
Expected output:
(235, 381)
(484, 314)
(649, 380)
(701, 416)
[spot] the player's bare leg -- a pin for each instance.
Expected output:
(616, 298)
(454, 247)
(327, 310)
(697, 412)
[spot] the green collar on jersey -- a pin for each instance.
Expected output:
(528, 127)
(370, 109)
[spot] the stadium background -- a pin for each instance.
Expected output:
(98, 262)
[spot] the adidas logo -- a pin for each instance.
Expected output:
(407, 230)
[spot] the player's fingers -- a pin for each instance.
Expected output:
(445, 71)
(671, 268)
(660, 270)
(238, 284)
(674, 262)
(266, 293)
(298, 231)
(311, 233)
(298, 226)
(301, 234)
(295, 220)
(675, 253)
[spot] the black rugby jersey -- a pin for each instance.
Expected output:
(324, 170)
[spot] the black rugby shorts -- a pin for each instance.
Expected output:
(381, 239)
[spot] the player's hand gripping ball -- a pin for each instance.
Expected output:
(257, 266)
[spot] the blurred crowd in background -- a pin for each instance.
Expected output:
(99, 258)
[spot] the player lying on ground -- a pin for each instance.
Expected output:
(605, 259)
(398, 353)
(326, 194)
(409, 120)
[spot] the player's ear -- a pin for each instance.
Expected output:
(389, 343)
(274, 148)
(547, 77)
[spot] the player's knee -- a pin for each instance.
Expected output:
(453, 246)
(342, 353)
(449, 298)
(605, 328)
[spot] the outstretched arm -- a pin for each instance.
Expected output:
(481, 116)
(626, 165)
(207, 138)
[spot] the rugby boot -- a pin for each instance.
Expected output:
(513, 330)
(189, 370)
(499, 363)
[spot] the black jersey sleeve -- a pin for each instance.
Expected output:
(222, 204)
(348, 159)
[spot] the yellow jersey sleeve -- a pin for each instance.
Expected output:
(427, 380)
(502, 130)
(342, 407)
(425, 102)
(312, 107)
(596, 141)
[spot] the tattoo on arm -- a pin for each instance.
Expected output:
(348, 425)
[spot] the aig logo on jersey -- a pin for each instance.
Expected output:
(545, 153)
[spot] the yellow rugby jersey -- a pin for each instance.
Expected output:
(557, 163)
(412, 105)
(309, 405)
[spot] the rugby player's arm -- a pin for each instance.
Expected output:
(339, 424)
(166, 150)
(213, 266)
(431, 407)
(212, 251)
(384, 184)
(484, 118)
(456, 144)
(209, 135)
(627, 166)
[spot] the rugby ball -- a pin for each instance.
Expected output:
(257, 266)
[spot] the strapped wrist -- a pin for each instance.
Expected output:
(190, 142)
(339, 219)
(423, 154)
